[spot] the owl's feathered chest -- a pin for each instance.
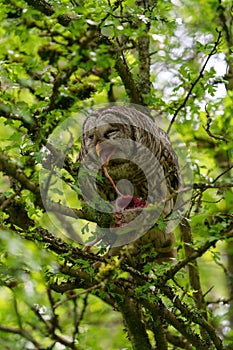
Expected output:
(128, 177)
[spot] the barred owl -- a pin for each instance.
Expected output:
(131, 172)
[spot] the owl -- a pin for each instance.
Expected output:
(130, 172)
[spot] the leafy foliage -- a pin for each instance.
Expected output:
(57, 59)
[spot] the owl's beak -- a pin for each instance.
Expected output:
(104, 154)
(98, 149)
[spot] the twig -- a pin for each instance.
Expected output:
(207, 128)
(61, 339)
(213, 184)
(78, 319)
(223, 173)
(76, 295)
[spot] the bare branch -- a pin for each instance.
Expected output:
(59, 338)
(213, 184)
(77, 295)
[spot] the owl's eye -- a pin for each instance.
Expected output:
(90, 137)
(110, 134)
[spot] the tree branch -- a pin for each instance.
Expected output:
(57, 245)
(176, 322)
(136, 328)
(223, 173)
(25, 334)
(130, 85)
(57, 337)
(193, 270)
(191, 316)
(10, 168)
(159, 330)
(144, 56)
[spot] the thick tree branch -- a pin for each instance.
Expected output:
(159, 330)
(130, 85)
(224, 16)
(144, 56)
(222, 12)
(57, 245)
(137, 332)
(90, 214)
(144, 64)
(194, 277)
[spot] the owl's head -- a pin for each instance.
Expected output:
(105, 131)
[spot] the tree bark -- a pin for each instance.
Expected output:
(136, 328)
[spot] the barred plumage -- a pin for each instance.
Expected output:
(137, 168)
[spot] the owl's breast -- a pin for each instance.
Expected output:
(127, 176)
